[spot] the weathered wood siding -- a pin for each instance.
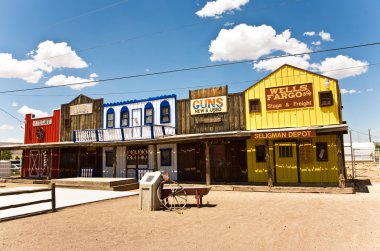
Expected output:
(69, 123)
(233, 120)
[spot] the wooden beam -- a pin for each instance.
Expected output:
(267, 160)
(114, 162)
(78, 162)
(341, 172)
(207, 159)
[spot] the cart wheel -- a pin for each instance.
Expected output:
(173, 197)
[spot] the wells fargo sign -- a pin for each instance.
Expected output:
(289, 97)
(208, 105)
(284, 135)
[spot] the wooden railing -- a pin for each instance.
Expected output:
(52, 199)
(123, 134)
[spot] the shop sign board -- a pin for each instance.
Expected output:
(289, 97)
(208, 105)
(42, 122)
(297, 134)
(81, 109)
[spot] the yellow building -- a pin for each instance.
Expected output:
(296, 128)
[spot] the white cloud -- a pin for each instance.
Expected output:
(27, 70)
(316, 43)
(273, 64)
(228, 24)
(325, 36)
(218, 7)
(14, 104)
(341, 67)
(345, 91)
(245, 42)
(59, 80)
(13, 140)
(370, 90)
(309, 33)
(27, 110)
(46, 58)
(6, 127)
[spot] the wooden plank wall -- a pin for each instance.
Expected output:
(233, 120)
(81, 122)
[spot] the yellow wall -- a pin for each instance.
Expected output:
(311, 170)
(311, 116)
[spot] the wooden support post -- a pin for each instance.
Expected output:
(155, 160)
(341, 172)
(114, 162)
(52, 187)
(208, 168)
(78, 163)
(352, 157)
(267, 160)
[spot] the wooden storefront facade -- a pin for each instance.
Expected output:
(211, 110)
(297, 129)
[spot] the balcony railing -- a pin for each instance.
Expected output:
(123, 134)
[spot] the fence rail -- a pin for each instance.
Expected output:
(52, 199)
(123, 134)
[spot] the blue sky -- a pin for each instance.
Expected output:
(46, 42)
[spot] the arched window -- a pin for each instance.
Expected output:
(124, 117)
(110, 118)
(149, 112)
(164, 112)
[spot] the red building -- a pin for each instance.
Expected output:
(41, 162)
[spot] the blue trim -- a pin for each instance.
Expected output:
(109, 111)
(124, 109)
(97, 135)
(148, 106)
(165, 104)
(74, 136)
(175, 114)
(140, 100)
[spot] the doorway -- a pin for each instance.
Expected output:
(286, 162)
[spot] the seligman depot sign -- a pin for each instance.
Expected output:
(208, 105)
(289, 97)
(284, 135)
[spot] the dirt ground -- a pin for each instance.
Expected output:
(230, 221)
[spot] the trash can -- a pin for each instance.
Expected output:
(148, 191)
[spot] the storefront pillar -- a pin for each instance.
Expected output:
(155, 160)
(208, 168)
(267, 160)
(114, 162)
(341, 173)
(78, 163)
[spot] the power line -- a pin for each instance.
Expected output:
(11, 115)
(193, 68)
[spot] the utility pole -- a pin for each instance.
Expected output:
(352, 156)
(369, 135)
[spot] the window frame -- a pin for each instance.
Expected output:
(163, 163)
(285, 151)
(165, 104)
(322, 146)
(257, 106)
(109, 112)
(259, 148)
(330, 96)
(122, 111)
(148, 106)
(108, 154)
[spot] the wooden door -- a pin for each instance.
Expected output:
(286, 162)
(137, 161)
(190, 167)
(34, 163)
(136, 123)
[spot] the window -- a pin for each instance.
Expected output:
(166, 157)
(109, 158)
(254, 105)
(165, 112)
(260, 154)
(325, 98)
(110, 118)
(321, 151)
(285, 151)
(149, 114)
(124, 117)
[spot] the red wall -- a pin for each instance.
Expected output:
(51, 131)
